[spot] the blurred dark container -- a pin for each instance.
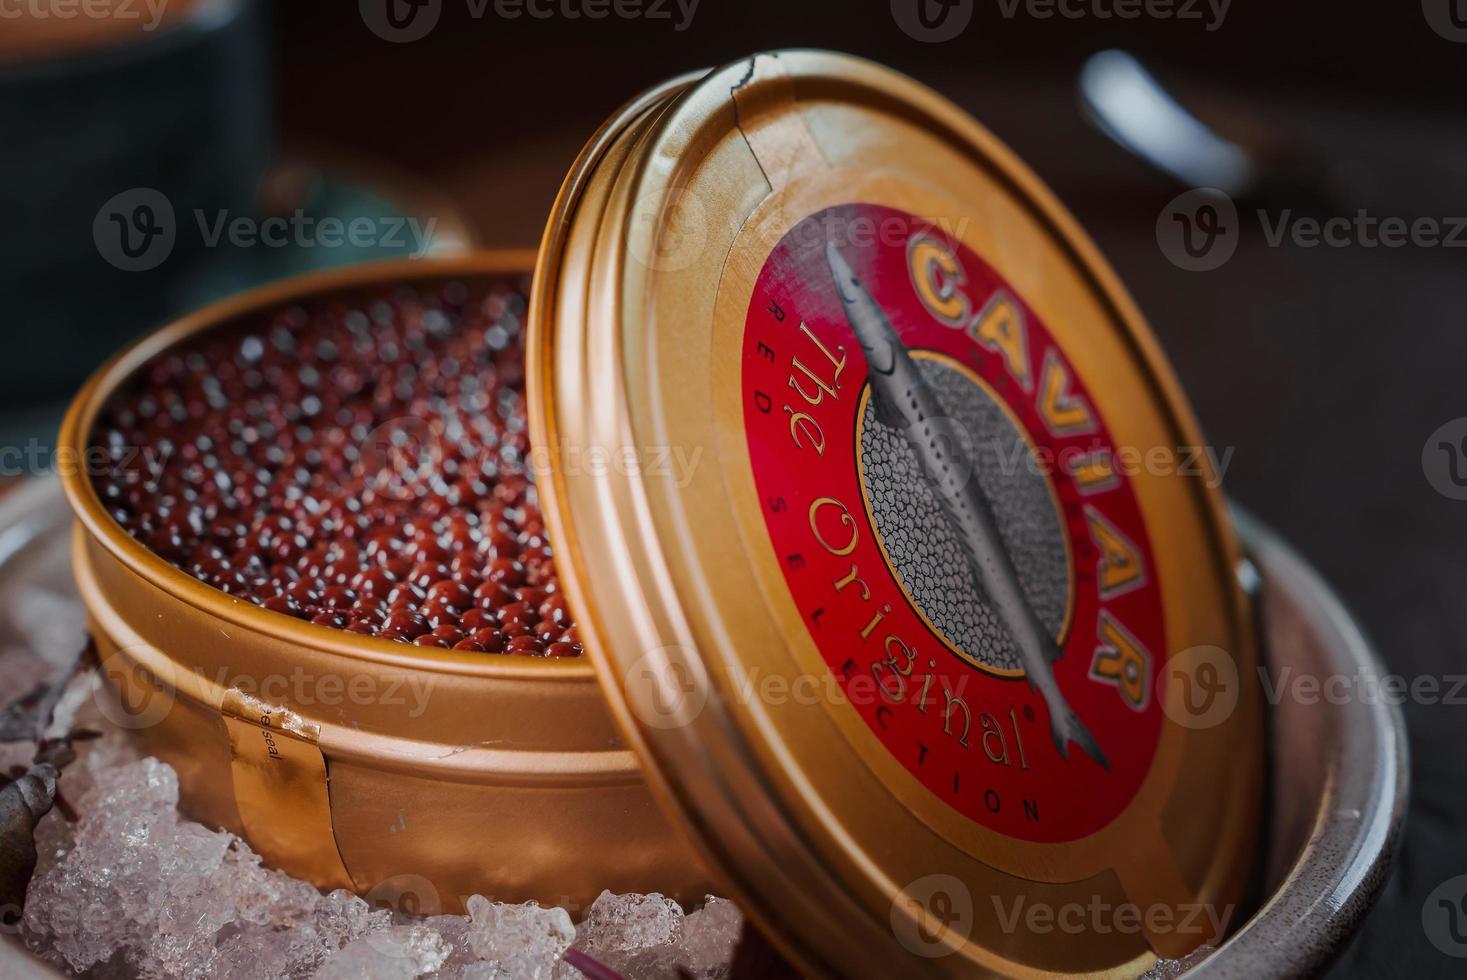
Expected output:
(181, 109)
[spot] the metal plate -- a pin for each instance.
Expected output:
(897, 547)
(1328, 852)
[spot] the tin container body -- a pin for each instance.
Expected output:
(417, 777)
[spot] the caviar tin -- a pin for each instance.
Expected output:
(419, 776)
(912, 611)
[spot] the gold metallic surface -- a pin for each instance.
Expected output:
(639, 304)
(448, 773)
(281, 786)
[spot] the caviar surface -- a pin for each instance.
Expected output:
(361, 463)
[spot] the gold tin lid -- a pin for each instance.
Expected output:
(896, 548)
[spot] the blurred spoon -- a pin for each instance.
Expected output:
(1131, 107)
(1127, 103)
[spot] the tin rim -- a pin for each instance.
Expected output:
(87, 506)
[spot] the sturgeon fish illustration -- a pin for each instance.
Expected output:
(904, 403)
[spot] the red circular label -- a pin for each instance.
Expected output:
(955, 522)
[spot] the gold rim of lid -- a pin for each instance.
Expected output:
(641, 300)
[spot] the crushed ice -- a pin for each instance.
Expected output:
(132, 889)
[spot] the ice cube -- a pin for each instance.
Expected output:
(628, 923)
(521, 941)
(709, 937)
(395, 953)
(635, 935)
(132, 889)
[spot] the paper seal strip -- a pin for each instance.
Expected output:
(282, 788)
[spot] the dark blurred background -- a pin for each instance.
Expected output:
(1328, 371)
